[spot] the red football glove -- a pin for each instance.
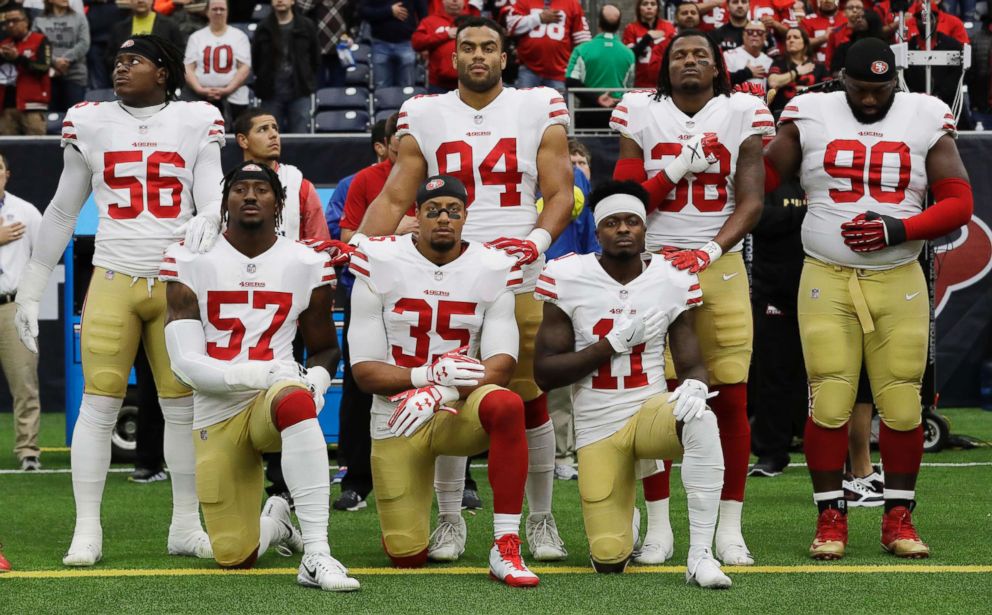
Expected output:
(692, 260)
(870, 232)
(754, 89)
(524, 250)
(339, 251)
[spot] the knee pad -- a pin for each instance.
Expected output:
(604, 568)
(107, 381)
(501, 408)
(609, 553)
(899, 406)
(294, 406)
(832, 401)
(730, 360)
(230, 553)
(177, 411)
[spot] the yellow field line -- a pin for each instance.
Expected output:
(54, 449)
(190, 572)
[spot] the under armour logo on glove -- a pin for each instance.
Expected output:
(749, 87)
(870, 232)
(524, 250)
(452, 369)
(339, 251)
(416, 406)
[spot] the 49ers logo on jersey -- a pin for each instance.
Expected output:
(963, 261)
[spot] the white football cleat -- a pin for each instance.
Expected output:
(705, 572)
(507, 565)
(732, 551)
(84, 551)
(289, 540)
(447, 541)
(654, 553)
(190, 544)
(635, 523)
(323, 571)
(543, 539)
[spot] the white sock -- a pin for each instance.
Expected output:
(304, 467)
(898, 494)
(90, 457)
(504, 524)
(702, 477)
(449, 483)
(268, 531)
(540, 468)
(180, 457)
(659, 525)
(730, 520)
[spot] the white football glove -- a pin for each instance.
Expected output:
(631, 330)
(26, 322)
(694, 158)
(202, 232)
(690, 400)
(318, 380)
(417, 406)
(261, 375)
(452, 369)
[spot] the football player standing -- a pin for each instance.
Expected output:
(433, 325)
(151, 162)
(603, 333)
(866, 156)
(503, 144)
(696, 148)
(233, 314)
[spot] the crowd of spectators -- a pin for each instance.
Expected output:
(56, 53)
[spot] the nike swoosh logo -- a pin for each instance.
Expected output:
(910, 297)
(312, 573)
(729, 276)
(630, 338)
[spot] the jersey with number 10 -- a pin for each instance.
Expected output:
(604, 400)
(142, 176)
(248, 306)
(695, 210)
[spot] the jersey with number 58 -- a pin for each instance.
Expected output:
(142, 176)
(696, 209)
(248, 306)
(849, 168)
(604, 400)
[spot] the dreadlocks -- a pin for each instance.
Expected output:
(269, 174)
(721, 84)
(167, 56)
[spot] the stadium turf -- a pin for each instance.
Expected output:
(955, 517)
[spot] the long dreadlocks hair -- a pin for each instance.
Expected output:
(172, 62)
(721, 84)
(273, 178)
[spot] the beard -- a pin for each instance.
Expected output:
(870, 119)
(481, 85)
(443, 244)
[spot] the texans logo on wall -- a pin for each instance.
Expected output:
(963, 259)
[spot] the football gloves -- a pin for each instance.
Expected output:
(416, 406)
(693, 261)
(696, 156)
(452, 369)
(339, 251)
(689, 399)
(754, 89)
(317, 379)
(870, 232)
(632, 330)
(26, 322)
(261, 375)
(202, 232)
(524, 250)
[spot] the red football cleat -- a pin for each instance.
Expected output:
(831, 536)
(899, 537)
(506, 564)
(4, 564)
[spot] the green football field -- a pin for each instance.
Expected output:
(136, 576)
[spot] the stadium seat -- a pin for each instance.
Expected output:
(362, 53)
(53, 122)
(393, 98)
(261, 12)
(358, 75)
(383, 114)
(247, 28)
(102, 95)
(343, 98)
(341, 121)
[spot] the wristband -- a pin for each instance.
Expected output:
(418, 377)
(541, 239)
(713, 249)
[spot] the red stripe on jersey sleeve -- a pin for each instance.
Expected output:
(402, 115)
(619, 120)
(357, 254)
(168, 273)
(327, 278)
(762, 112)
(949, 127)
(218, 122)
(762, 124)
(402, 127)
(695, 301)
(791, 108)
(558, 101)
(546, 293)
(67, 135)
(168, 259)
(67, 124)
(356, 269)
(621, 108)
(694, 287)
(546, 278)
(558, 112)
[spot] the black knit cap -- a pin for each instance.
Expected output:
(441, 185)
(870, 59)
(141, 46)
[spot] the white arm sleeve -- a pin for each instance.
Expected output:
(187, 347)
(499, 329)
(208, 177)
(58, 223)
(367, 330)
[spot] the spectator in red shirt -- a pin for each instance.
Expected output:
(946, 23)
(435, 36)
(647, 36)
(854, 18)
(437, 7)
(25, 102)
(819, 24)
(546, 32)
(866, 25)
(368, 184)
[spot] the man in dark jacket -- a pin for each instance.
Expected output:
(393, 23)
(285, 56)
(143, 20)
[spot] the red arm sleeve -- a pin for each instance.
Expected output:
(772, 179)
(658, 187)
(312, 223)
(952, 210)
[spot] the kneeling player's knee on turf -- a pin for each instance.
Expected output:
(291, 406)
(230, 553)
(899, 407)
(609, 551)
(501, 409)
(404, 552)
(604, 568)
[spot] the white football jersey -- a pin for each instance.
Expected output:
(603, 401)
(493, 151)
(430, 310)
(142, 176)
(292, 180)
(216, 59)
(248, 306)
(849, 168)
(696, 209)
